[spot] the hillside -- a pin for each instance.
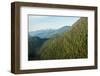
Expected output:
(38, 38)
(34, 44)
(70, 45)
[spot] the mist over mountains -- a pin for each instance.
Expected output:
(48, 32)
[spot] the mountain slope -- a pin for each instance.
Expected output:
(71, 44)
(34, 44)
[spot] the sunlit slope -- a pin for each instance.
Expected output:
(71, 44)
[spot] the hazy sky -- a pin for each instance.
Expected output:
(50, 22)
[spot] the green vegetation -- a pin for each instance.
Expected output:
(34, 44)
(69, 45)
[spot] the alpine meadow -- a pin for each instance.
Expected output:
(67, 41)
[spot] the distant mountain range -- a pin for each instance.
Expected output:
(48, 33)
